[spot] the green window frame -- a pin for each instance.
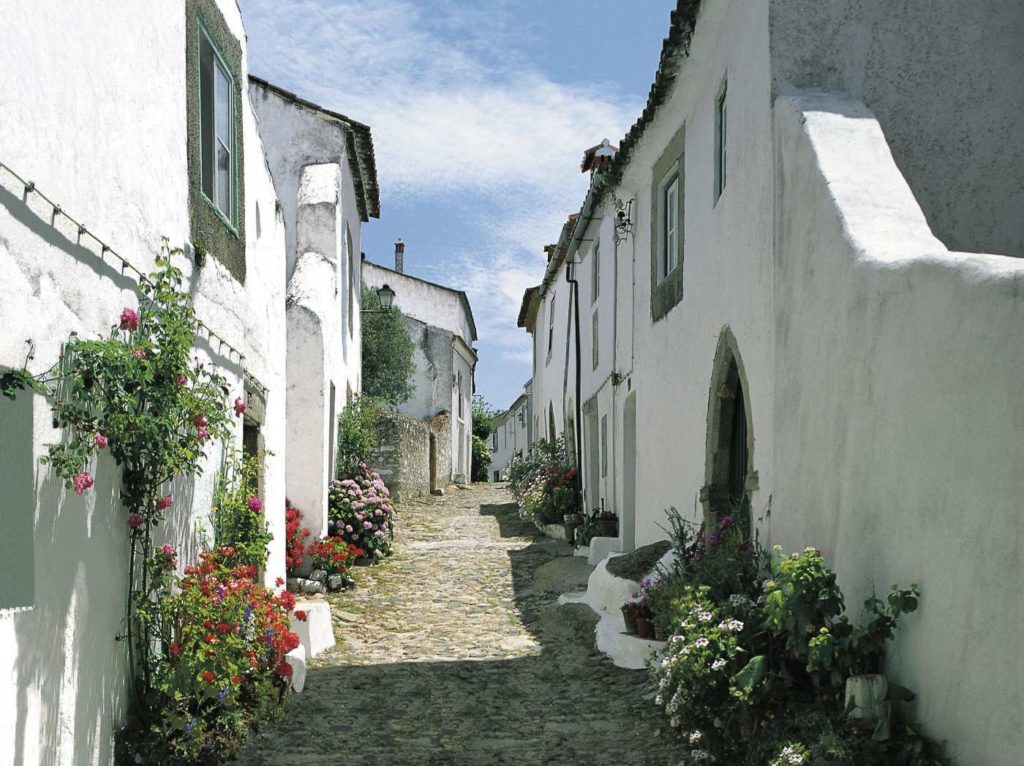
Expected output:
(218, 139)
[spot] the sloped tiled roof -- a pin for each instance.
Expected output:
(359, 142)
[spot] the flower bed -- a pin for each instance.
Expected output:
(360, 512)
(218, 666)
(544, 484)
(760, 651)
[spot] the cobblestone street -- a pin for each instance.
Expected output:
(454, 652)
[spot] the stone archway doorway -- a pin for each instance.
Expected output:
(729, 474)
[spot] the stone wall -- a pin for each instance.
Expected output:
(402, 456)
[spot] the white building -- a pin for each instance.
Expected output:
(323, 168)
(512, 435)
(133, 148)
(440, 322)
(815, 304)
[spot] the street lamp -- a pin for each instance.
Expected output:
(387, 297)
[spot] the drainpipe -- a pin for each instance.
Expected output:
(574, 307)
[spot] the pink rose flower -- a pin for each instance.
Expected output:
(101, 441)
(167, 549)
(255, 504)
(201, 421)
(239, 407)
(129, 319)
(82, 482)
(181, 380)
(139, 353)
(135, 520)
(202, 433)
(163, 503)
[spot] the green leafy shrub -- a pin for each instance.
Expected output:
(387, 349)
(357, 435)
(481, 459)
(544, 484)
(237, 514)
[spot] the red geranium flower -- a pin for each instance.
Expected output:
(300, 616)
(208, 676)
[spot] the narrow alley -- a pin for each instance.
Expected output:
(454, 651)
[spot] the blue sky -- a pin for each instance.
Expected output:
(480, 113)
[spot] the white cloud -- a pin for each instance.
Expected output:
(455, 108)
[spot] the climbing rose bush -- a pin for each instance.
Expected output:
(361, 512)
(237, 513)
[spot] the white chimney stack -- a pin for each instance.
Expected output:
(400, 257)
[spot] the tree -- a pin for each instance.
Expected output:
(484, 416)
(388, 367)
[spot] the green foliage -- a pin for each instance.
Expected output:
(388, 366)
(481, 459)
(237, 514)
(781, 684)
(544, 484)
(357, 435)
(484, 416)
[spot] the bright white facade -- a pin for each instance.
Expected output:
(323, 169)
(830, 352)
(112, 140)
(440, 322)
(511, 437)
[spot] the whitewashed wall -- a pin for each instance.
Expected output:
(553, 387)
(727, 266)
(900, 417)
(105, 136)
(440, 357)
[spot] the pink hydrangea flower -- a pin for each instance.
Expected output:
(367, 525)
(163, 503)
(101, 441)
(82, 482)
(255, 504)
(239, 407)
(129, 319)
(201, 421)
(135, 520)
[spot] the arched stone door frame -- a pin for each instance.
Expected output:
(729, 475)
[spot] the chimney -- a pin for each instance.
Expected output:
(400, 257)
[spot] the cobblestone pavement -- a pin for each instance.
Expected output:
(454, 652)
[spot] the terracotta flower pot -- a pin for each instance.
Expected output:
(629, 617)
(644, 627)
(659, 633)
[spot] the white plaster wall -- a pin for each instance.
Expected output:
(943, 78)
(429, 303)
(899, 418)
(727, 265)
(553, 386)
(315, 352)
(105, 138)
(462, 425)
(297, 137)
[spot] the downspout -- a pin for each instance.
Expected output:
(575, 307)
(615, 367)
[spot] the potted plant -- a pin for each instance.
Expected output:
(644, 625)
(629, 614)
(609, 523)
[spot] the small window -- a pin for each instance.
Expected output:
(604, 445)
(670, 228)
(217, 98)
(594, 337)
(459, 405)
(551, 326)
(595, 273)
(721, 123)
(494, 441)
